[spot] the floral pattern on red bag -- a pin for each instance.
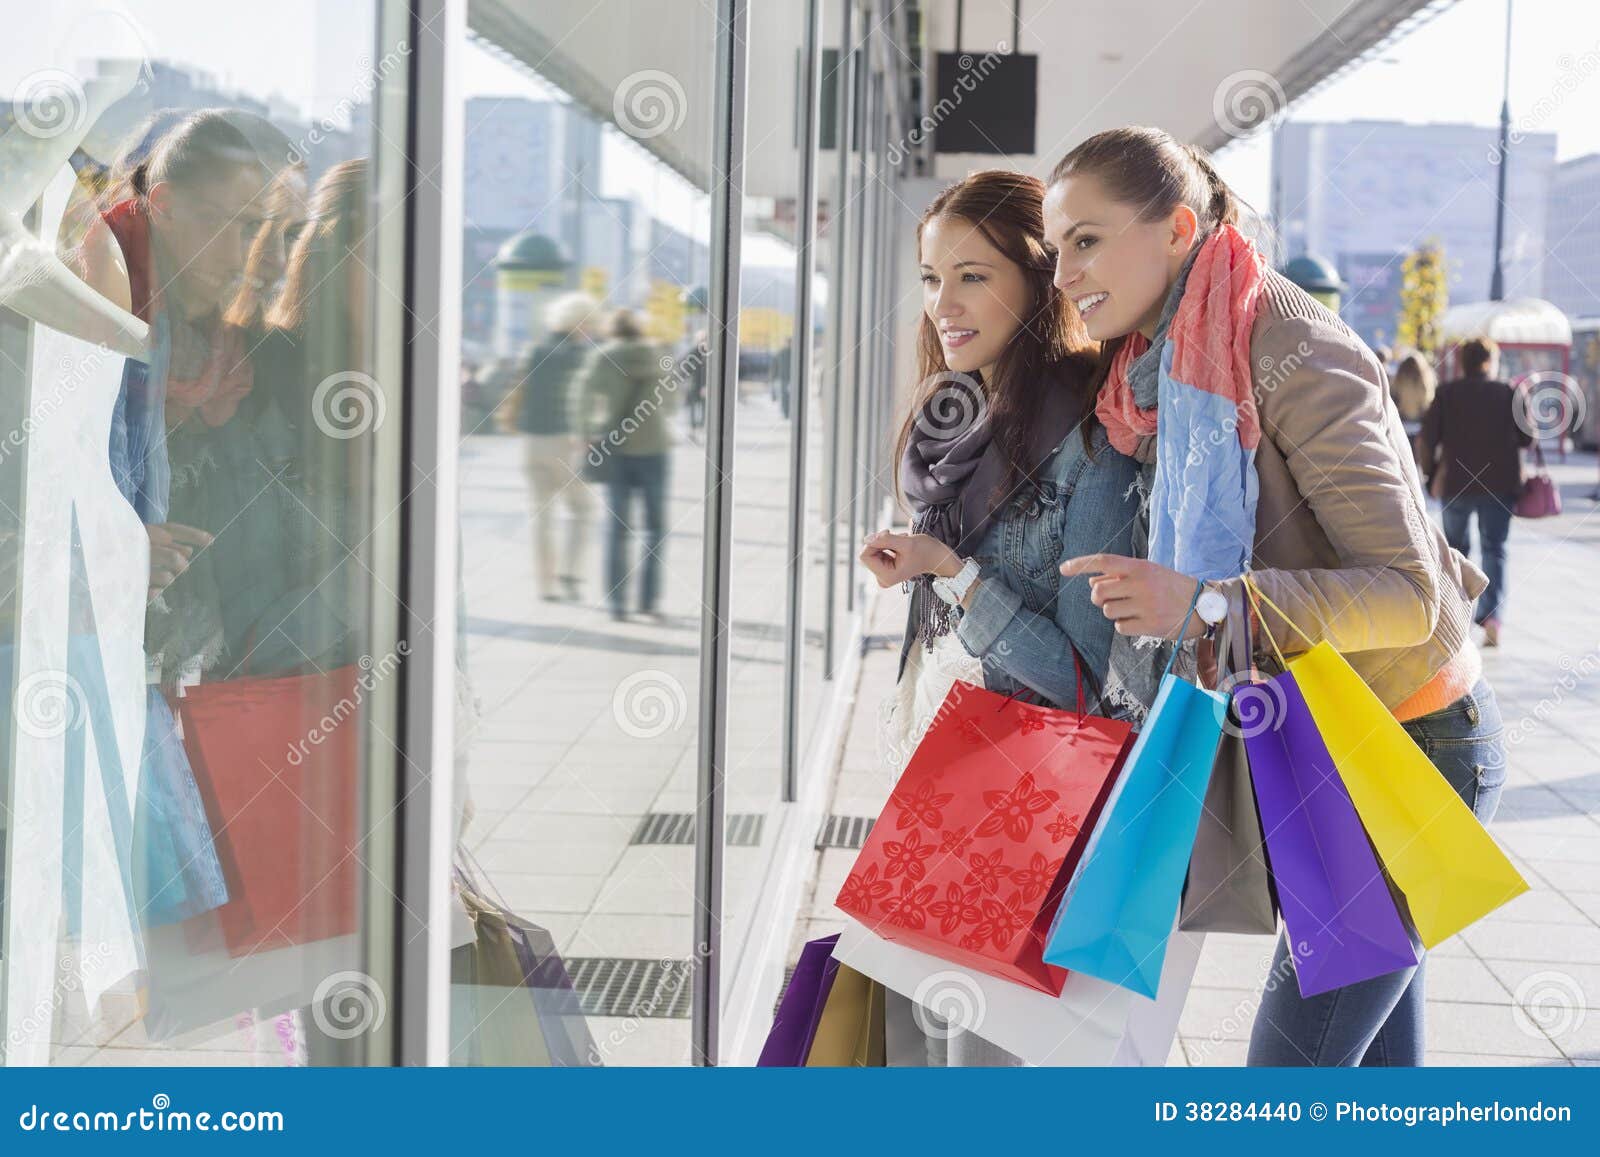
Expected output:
(984, 872)
(1001, 923)
(1035, 880)
(957, 908)
(1063, 827)
(920, 806)
(909, 909)
(955, 843)
(969, 855)
(862, 889)
(1012, 811)
(907, 857)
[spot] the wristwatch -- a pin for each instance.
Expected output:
(1212, 607)
(953, 589)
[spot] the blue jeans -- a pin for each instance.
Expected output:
(1379, 1022)
(646, 476)
(1494, 524)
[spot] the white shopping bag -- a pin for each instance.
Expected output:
(1090, 1023)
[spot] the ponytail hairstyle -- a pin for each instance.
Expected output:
(1152, 169)
(1051, 350)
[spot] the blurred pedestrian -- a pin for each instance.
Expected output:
(623, 408)
(1412, 386)
(1470, 450)
(543, 408)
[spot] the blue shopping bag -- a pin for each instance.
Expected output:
(1119, 908)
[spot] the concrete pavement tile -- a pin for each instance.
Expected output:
(662, 937)
(1463, 979)
(1458, 1027)
(540, 858)
(1506, 940)
(1216, 1054)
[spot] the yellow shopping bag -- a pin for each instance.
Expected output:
(850, 1032)
(1438, 855)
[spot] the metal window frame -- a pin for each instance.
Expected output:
(431, 410)
(865, 77)
(849, 60)
(727, 210)
(799, 395)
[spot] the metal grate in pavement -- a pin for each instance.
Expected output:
(844, 831)
(624, 986)
(783, 989)
(741, 830)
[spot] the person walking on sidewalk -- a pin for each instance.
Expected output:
(623, 407)
(543, 408)
(1471, 451)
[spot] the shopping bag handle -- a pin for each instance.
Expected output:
(1177, 644)
(1227, 668)
(1257, 598)
(1080, 672)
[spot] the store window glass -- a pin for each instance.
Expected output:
(587, 263)
(199, 308)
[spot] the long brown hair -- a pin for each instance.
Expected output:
(1153, 170)
(336, 226)
(1051, 350)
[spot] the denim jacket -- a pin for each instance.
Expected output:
(1024, 612)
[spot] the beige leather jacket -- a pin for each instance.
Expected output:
(1344, 543)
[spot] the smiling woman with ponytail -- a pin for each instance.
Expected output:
(1269, 445)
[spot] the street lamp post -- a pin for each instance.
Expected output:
(1497, 281)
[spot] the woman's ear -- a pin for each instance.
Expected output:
(1185, 227)
(160, 198)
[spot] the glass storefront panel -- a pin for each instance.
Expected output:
(764, 477)
(198, 639)
(587, 263)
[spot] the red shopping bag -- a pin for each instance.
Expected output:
(983, 830)
(275, 761)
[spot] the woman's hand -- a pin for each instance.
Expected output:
(1139, 596)
(894, 558)
(172, 545)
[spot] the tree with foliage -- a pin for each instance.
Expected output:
(1424, 296)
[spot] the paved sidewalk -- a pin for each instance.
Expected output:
(1517, 988)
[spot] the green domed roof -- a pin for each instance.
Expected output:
(1314, 274)
(531, 251)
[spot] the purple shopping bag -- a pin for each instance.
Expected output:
(1338, 913)
(789, 1043)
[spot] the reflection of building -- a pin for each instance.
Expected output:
(1371, 188)
(675, 256)
(520, 163)
(170, 87)
(479, 247)
(536, 165)
(1572, 227)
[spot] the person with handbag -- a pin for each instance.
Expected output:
(1005, 471)
(1471, 453)
(623, 406)
(1270, 447)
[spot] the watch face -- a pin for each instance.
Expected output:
(1212, 607)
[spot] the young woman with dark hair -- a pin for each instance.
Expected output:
(1005, 470)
